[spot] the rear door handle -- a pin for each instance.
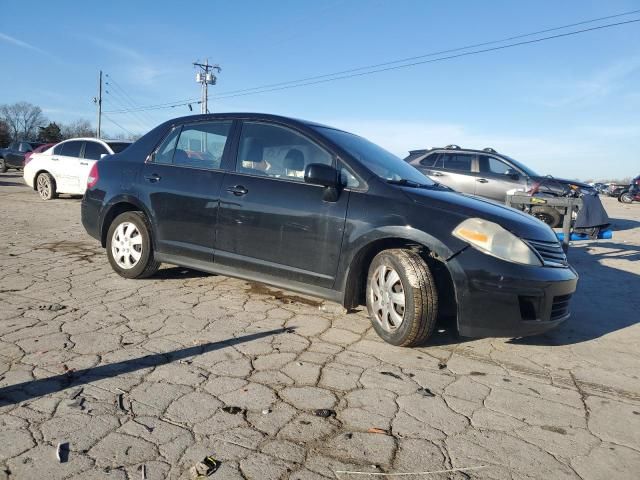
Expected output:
(481, 180)
(153, 178)
(437, 174)
(54, 159)
(84, 163)
(238, 190)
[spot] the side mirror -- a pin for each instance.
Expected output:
(321, 174)
(512, 173)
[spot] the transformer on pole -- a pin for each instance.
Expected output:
(206, 77)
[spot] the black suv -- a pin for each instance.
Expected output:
(13, 155)
(320, 211)
(490, 174)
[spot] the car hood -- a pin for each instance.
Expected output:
(465, 206)
(563, 181)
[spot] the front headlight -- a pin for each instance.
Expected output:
(491, 238)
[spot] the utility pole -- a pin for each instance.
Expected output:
(98, 101)
(206, 78)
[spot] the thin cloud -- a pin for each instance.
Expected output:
(600, 85)
(19, 43)
(116, 48)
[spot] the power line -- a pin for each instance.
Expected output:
(129, 99)
(371, 69)
(439, 59)
(175, 103)
(117, 124)
(117, 101)
(432, 54)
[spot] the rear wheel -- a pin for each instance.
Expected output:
(3, 165)
(626, 197)
(129, 246)
(548, 215)
(401, 297)
(46, 186)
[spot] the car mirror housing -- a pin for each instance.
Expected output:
(321, 174)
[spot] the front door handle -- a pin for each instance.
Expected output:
(437, 174)
(84, 163)
(481, 180)
(153, 178)
(238, 190)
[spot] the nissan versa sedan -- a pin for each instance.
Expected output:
(321, 211)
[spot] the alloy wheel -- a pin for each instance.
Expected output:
(126, 245)
(44, 187)
(387, 298)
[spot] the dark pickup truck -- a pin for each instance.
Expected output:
(13, 155)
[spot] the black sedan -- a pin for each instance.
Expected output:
(321, 211)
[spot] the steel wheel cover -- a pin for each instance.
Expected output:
(387, 298)
(126, 245)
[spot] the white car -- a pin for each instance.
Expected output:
(65, 167)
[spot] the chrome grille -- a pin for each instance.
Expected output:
(551, 253)
(560, 306)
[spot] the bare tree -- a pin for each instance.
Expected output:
(5, 136)
(79, 128)
(23, 120)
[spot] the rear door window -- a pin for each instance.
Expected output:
(72, 149)
(93, 150)
(201, 145)
(164, 153)
(457, 161)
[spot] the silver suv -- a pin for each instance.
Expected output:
(489, 174)
(477, 172)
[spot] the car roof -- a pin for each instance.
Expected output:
(455, 148)
(248, 115)
(94, 139)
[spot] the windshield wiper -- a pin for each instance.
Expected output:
(406, 183)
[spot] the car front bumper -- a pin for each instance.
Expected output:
(501, 299)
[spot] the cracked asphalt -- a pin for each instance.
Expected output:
(144, 378)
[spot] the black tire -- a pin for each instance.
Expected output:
(620, 196)
(3, 165)
(626, 197)
(46, 186)
(146, 265)
(548, 215)
(420, 297)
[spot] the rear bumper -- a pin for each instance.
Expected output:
(90, 214)
(500, 299)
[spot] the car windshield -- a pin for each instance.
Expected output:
(117, 147)
(522, 167)
(381, 162)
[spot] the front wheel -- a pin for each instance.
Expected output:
(626, 197)
(129, 246)
(402, 299)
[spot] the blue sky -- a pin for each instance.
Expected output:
(567, 107)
